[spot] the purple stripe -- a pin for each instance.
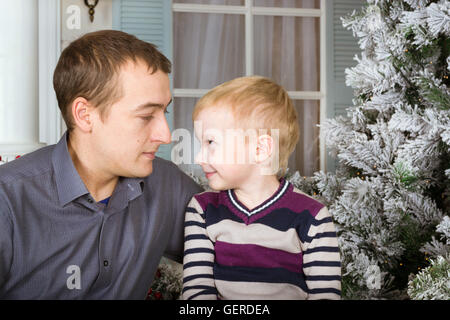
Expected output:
(251, 255)
(291, 200)
(206, 198)
(297, 202)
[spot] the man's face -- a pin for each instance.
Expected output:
(135, 126)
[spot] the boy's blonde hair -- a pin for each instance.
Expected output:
(259, 103)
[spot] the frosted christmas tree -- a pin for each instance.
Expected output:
(391, 189)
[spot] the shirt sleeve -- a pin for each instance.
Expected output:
(198, 261)
(6, 244)
(321, 259)
(183, 190)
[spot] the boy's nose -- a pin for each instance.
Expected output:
(199, 159)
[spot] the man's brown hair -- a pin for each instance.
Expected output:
(90, 66)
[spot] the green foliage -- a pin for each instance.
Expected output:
(435, 95)
(433, 282)
(413, 236)
(404, 175)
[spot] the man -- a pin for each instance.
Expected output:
(90, 217)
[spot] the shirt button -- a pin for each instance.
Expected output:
(90, 200)
(105, 263)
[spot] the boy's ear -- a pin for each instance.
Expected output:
(81, 113)
(264, 148)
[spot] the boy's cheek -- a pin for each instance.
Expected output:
(217, 158)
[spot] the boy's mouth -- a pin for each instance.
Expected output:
(209, 174)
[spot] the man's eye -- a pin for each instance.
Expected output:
(148, 118)
(209, 141)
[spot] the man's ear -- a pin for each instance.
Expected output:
(81, 113)
(264, 148)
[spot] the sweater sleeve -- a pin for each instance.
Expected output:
(198, 261)
(321, 259)
(183, 188)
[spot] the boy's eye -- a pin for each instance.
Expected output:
(209, 141)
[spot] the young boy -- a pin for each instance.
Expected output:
(255, 236)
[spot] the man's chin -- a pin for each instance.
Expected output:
(145, 173)
(137, 172)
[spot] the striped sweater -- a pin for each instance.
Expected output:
(286, 248)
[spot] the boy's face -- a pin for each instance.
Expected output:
(135, 126)
(224, 155)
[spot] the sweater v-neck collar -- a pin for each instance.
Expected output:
(242, 211)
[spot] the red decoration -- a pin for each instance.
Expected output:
(158, 295)
(166, 285)
(153, 295)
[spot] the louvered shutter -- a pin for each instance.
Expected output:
(151, 21)
(342, 47)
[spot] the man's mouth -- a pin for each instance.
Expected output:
(150, 155)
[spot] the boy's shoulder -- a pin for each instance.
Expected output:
(295, 200)
(208, 197)
(299, 201)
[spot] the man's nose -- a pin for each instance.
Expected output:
(161, 132)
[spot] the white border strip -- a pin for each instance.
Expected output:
(289, 12)
(249, 38)
(206, 8)
(262, 11)
(323, 84)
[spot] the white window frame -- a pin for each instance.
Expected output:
(51, 125)
(249, 10)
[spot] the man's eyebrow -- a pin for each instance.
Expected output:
(151, 105)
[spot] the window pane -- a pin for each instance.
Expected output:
(209, 49)
(183, 108)
(221, 2)
(182, 112)
(287, 49)
(305, 4)
(306, 156)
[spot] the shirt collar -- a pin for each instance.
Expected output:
(127, 189)
(70, 186)
(68, 182)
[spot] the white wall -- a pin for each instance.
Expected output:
(20, 90)
(18, 78)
